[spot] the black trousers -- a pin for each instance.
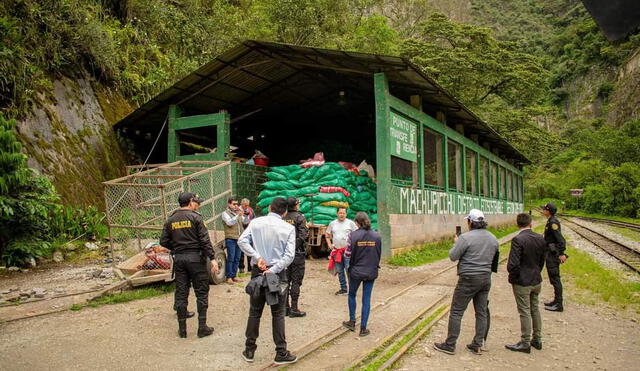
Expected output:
(553, 271)
(256, 306)
(191, 269)
(295, 275)
(241, 265)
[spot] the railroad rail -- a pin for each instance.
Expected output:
(623, 253)
(615, 223)
(394, 346)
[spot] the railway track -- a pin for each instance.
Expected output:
(386, 352)
(625, 254)
(615, 223)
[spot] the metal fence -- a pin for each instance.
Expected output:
(139, 204)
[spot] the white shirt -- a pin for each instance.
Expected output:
(340, 232)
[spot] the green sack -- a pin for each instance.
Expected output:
(279, 185)
(305, 207)
(326, 197)
(301, 183)
(310, 174)
(272, 175)
(307, 190)
(285, 170)
(265, 202)
(325, 210)
(267, 193)
(298, 173)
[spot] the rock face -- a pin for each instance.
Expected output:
(67, 138)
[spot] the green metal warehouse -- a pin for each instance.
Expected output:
(434, 159)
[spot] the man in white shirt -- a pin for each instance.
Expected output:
(338, 232)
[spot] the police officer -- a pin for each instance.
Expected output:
(555, 256)
(187, 237)
(295, 271)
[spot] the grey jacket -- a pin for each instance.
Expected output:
(476, 251)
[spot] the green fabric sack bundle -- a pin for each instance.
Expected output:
(326, 197)
(279, 185)
(325, 210)
(310, 174)
(285, 170)
(272, 175)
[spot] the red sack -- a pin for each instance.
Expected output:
(309, 164)
(319, 156)
(331, 189)
(347, 165)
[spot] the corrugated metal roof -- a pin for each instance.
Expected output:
(255, 73)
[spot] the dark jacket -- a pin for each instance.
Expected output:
(553, 236)
(267, 285)
(298, 220)
(526, 258)
(185, 232)
(364, 252)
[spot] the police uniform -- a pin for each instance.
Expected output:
(556, 243)
(186, 235)
(295, 271)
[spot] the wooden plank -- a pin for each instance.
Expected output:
(139, 281)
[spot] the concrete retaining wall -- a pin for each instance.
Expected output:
(409, 230)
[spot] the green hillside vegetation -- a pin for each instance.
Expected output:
(515, 63)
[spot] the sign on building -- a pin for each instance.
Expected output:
(403, 134)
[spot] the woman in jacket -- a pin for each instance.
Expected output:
(363, 251)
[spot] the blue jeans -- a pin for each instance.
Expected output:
(367, 288)
(342, 277)
(233, 257)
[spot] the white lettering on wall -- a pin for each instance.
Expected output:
(425, 201)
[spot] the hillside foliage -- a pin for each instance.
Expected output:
(512, 63)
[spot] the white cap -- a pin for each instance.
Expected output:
(475, 215)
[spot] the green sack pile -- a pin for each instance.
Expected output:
(304, 184)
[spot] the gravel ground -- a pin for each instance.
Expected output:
(609, 232)
(580, 338)
(142, 335)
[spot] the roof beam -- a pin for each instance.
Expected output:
(243, 69)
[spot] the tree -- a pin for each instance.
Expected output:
(26, 201)
(471, 63)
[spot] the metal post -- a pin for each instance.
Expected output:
(111, 248)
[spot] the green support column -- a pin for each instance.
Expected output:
(383, 159)
(173, 147)
(445, 155)
(223, 138)
(464, 169)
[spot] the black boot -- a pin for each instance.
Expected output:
(182, 322)
(557, 307)
(297, 313)
(203, 329)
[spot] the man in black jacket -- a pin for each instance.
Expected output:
(295, 271)
(187, 237)
(526, 260)
(555, 255)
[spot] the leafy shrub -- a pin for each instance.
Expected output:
(26, 200)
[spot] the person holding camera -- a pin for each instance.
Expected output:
(187, 237)
(477, 254)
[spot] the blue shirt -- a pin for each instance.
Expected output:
(270, 238)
